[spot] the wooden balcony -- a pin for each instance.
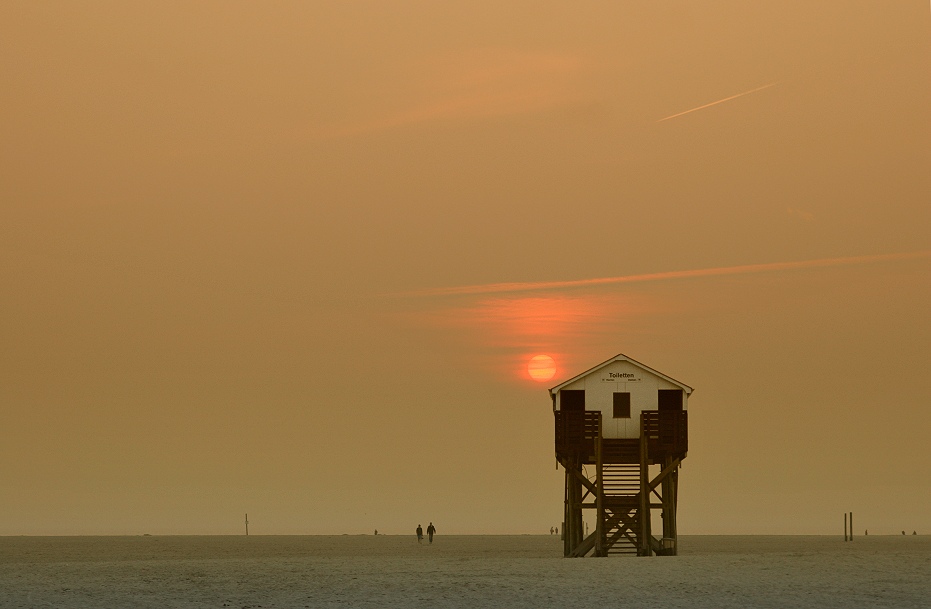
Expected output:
(666, 434)
(576, 432)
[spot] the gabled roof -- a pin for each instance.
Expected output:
(620, 357)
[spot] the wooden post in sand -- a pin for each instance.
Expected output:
(247, 524)
(600, 549)
(669, 484)
(578, 530)
(851, 526)
(845, 526)
(646, 534)
(572, 524)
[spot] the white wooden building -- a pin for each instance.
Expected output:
(621, 388)
(630, 422)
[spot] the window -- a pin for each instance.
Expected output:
(669, 400)
(622, 405)
(572, 400)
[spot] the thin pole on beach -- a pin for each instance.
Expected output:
(851, 526)
(845, 526)
(247, 523)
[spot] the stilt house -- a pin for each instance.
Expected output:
(621, 435)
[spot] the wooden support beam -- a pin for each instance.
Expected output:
(670, 468)
(628, 519)
(622, 532)
(612, 522)
(669, 506)
(565, 512)
(627, 532)
(645, 535)
(578, 479)
(576, 472)
(600, 549)
(584, 547)
(572, 523)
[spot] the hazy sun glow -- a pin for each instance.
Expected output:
(507, 331)
(541, 368)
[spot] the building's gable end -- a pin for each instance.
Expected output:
(580, 381)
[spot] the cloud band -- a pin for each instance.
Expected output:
(492, 288)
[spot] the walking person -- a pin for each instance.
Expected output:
(419, 534)
(430, 531)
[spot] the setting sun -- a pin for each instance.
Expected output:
(541, 368)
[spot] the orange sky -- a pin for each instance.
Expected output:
(233, 237)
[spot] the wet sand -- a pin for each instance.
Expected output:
(459, 571)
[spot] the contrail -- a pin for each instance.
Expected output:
(720, 101)
(492, 288)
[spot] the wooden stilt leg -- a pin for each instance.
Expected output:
(669, 507)
(565, 513)
(573, 525)
(579, 527)
(599, 501)
(645, 532)
(570, 521)
(675, 506)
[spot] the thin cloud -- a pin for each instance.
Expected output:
(481, 105)
(477, 84)
(492, 288)
(801, 214)
(720, 101)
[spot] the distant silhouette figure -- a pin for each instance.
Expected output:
(866, 532)
(420, 534)
(903, 532)
(376, 531)
(551, 530)
(557, 530)
(914, 532)
(430, 531)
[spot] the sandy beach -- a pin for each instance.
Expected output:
(459, 571)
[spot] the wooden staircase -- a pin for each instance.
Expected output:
(621, 499)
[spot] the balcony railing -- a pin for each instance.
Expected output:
(666, 433)
(576, 431)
